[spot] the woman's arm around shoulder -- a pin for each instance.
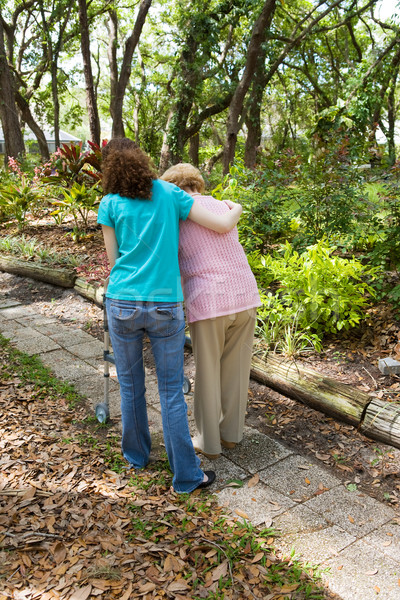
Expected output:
(219, 223)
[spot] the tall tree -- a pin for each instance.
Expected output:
(119, 79)
(91, 100)
(255, 49)
(14, 141)
(60, 12)
(198, 85)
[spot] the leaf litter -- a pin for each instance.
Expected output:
(73, 528)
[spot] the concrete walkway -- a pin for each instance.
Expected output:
(354, 535)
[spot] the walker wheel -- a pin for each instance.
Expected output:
(186, 386)
(102, 412)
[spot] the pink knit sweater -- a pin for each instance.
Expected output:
(216, 276)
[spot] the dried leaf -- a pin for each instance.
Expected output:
(373, 572)
(220, 571)
(82, 593)
(172, 564)
(322, 456)
(242, 514)
(289, 588)
(178, 586)
(147, 587)
(258, 557)
(59, 552)
(253, 481)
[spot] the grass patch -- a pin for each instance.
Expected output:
(32, 373)
(31, 248)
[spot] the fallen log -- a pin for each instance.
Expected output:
(55, 276)
(382, 422)
(376, 419)
(89, 291)
(331, 397)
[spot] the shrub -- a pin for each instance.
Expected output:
(316, 291)
(329, 194)
(263, 193)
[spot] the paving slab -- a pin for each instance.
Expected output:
(256, 451)
(36, 344)
(65, 366)
(298, 477)
(92, 386)
(35, 319)
(298, 520)
(356, 513)
(8, 328)
(8, 303)
(317, 546)
(114, 405)
(387, 540)
(72, 337)
(154, 418)
(98, 364)
(260, 503)
(90, 349)
(362, 573)
(51, 328)
(225, 470)
(16, 311)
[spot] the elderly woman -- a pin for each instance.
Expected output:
(221, 297)
(140, 221)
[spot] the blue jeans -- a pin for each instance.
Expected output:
(164, 324)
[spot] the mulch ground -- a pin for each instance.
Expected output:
(72, 528)
(351, 358)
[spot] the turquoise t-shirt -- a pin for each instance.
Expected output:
(147, 233)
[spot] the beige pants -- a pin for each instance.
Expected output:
(222, 349)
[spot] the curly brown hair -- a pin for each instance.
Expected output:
(126, 169)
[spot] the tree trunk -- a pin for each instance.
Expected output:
(14, 141)
(253, 114)
(117, 98)
(165, 156)
(91, 102)
(210, 164)
(56, 102)
(258, 37)
(33, 126)
(194, 145)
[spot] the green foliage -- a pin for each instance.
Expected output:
(79, 201)
(262, 193)
(315, 292)
(329, 193)
(386, 250)
(23, 248)
(71, 165)
(17, 198)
